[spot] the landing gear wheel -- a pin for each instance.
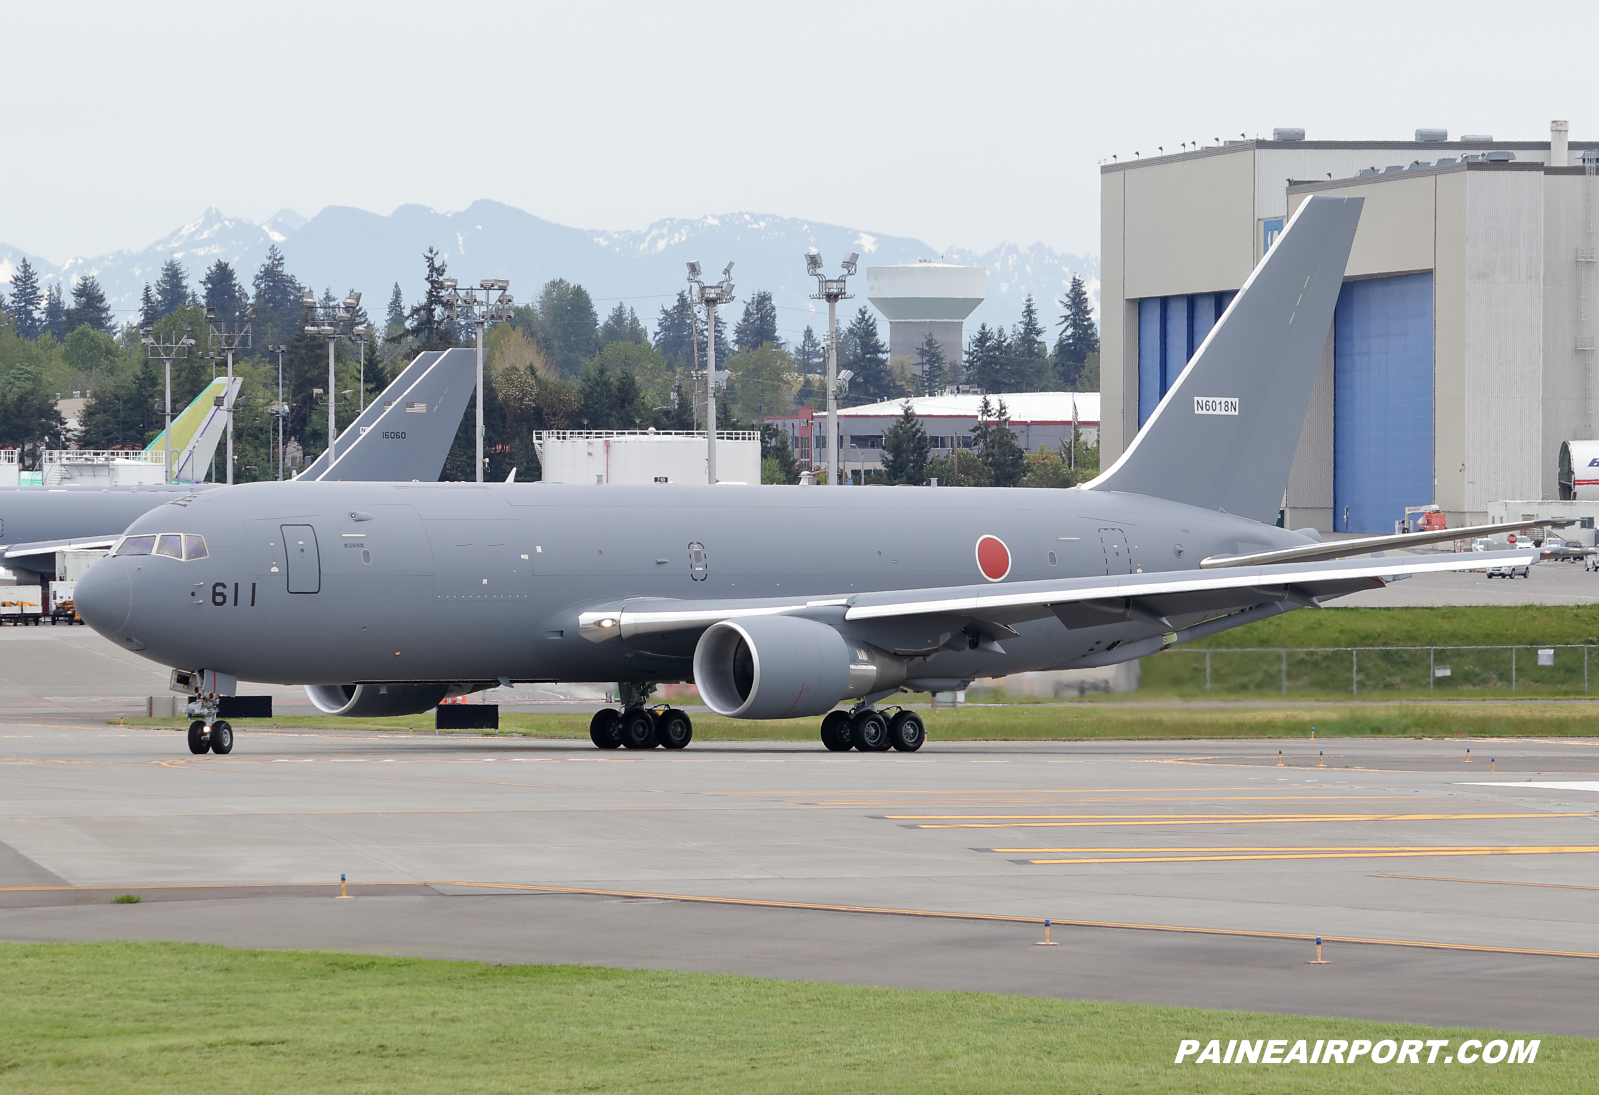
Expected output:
(221, 738)
(869, 732)
(197, 742)
(605, 728)
(638, 729)
(906, 732)
(836, 732)
(676, 729)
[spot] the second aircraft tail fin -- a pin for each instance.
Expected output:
(1225, 434)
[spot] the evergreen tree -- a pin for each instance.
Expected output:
(171, 288)
(868, 360)
(611, 397)
(777, 456)
(623, 325)
(997, 446)
(758, 325)
(932, 367)
(1079, 337)
(89, 308)
(980, 357)
(426, 321)
(394, 325)
(28, 415)
(147, 308)
(1029, 352)
(224, 293)
(55, 314)
(675, 330)
(567, 325)
(25, 300)
(275, 291)
(906, 449)
(810, 353)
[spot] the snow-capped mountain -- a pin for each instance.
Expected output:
(343, 248)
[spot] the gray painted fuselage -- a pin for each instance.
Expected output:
(475, 582)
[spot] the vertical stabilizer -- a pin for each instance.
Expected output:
(1225, 434)
(407, 432)
(197, 430)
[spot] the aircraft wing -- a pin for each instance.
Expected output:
(1340, 549)
(50, 547)
(1076, 602)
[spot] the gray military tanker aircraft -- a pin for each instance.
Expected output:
(777, 602)
(390, 440)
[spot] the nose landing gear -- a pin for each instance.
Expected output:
(218, 738)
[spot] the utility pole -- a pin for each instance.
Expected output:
(326, 321)
(280, 411)
(476, 308)
(710, 296)
(832, 291)
(167, 352)
(230, 336)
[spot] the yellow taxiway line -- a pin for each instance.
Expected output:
(1372, 853)
(1048, 821)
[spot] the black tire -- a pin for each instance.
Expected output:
(869, 732)
(638, 729)
(605, 728)
(836, 732)
(197, 742)
(676, 729)
(221, 738)
(907, 732)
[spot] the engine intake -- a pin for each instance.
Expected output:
(784, 667)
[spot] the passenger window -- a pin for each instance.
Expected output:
(194, 546)
(1052, 561)
(136, 545)
(169, 544)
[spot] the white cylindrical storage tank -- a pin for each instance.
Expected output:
(1579, 471)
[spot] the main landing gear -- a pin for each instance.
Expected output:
(217, 739)
(871, 731)
(641, 728)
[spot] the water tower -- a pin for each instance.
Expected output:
(926, 298)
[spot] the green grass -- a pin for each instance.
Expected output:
(148, 1017)
(1079, 722)
(1461, 625)
(126, 899)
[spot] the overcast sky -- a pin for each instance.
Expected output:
(960, 124)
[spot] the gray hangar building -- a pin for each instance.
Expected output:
(1461, 352)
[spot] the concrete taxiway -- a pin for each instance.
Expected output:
(1193, 873)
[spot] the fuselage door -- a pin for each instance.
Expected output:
(302, 558)
(1118, 553)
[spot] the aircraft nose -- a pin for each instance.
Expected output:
(103, 597)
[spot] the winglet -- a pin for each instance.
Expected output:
(1224, 436)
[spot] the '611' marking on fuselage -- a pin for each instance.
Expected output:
(219, 594)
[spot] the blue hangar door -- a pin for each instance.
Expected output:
(1382, 401)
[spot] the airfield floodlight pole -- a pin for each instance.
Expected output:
(166, 352)
(481, 308)
(325, 321)
(831, 290)
(231, 336)
(710, 296)
(278, 410)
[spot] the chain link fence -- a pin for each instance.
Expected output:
(1367, 672)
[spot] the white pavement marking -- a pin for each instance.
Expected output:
(1583, 785)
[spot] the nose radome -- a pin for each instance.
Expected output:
(103, 597)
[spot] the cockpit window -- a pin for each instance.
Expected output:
(174, 545)
(136, 545)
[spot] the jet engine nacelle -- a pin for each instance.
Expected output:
(783, 667)
(377, 700)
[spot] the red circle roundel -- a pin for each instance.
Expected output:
(993, 557)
